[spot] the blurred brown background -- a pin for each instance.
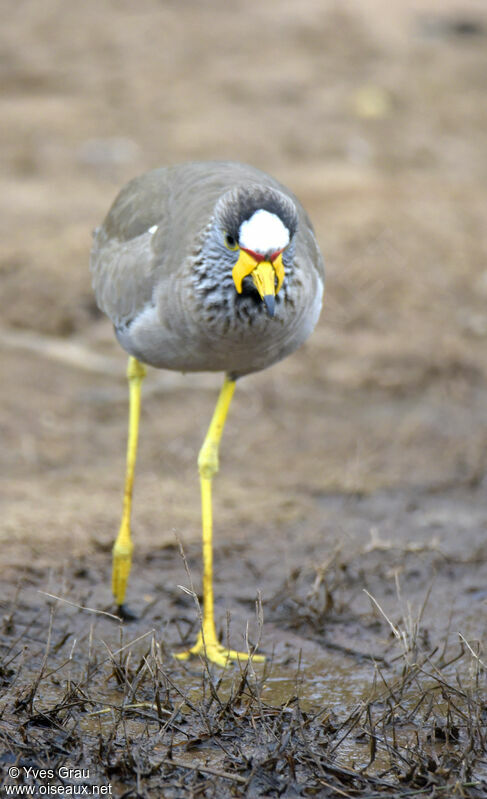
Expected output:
(375, 114)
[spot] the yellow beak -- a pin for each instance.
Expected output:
(264, 274)
(264, 279)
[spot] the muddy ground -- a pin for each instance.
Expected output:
(357, 465)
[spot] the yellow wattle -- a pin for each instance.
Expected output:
(244, 266)
(263, 273)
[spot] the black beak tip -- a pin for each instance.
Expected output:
(270, 303)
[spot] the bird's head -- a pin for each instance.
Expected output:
(258, 225)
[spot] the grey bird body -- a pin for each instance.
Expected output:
(203, 267)
(163, 275)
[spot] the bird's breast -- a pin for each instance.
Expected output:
(211, 327)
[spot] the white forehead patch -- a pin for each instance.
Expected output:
(152, 229)
(263, 232)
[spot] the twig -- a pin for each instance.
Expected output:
(206, 769)
(474, 654)
(81, 607)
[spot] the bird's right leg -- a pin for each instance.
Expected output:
(122, 549)
(207, 643)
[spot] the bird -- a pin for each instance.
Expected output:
(203, 266)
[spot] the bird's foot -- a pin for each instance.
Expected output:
(124, 613)
(215, 652)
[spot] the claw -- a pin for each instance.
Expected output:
(126, 614)
(217, 653)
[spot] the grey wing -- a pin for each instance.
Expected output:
(124, 262)
(308, 236)
(122, 275)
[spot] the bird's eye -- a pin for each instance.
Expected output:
(230, 242)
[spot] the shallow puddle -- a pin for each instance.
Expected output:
(321, 684)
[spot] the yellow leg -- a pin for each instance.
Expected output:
(207, 642)
(122, 549)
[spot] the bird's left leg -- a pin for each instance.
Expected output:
(207, 642)
(122, 549)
